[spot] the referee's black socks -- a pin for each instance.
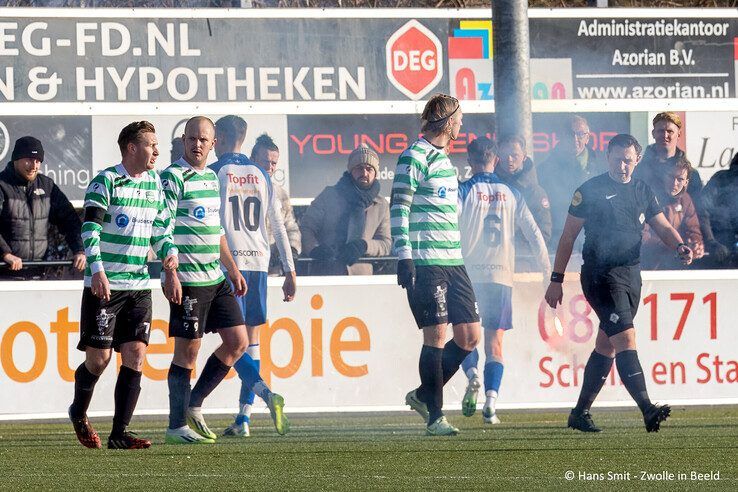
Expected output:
(595, 373)
(631, 373)
(431, 381)
(127, 389)
(84, 385)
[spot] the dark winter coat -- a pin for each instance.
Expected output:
(26, 209)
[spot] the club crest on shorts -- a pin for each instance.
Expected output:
(188, 305)
(440, 296)
(103, 320)
(642, 218)
(614, 318)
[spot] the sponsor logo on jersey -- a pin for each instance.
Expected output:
(246, 252)
(138, 220)
(442, 192)
(121, 220)
(199, 212)
(497, 196)
(251, 179)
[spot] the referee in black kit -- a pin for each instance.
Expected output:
(613, 208)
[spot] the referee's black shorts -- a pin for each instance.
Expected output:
(442, 295)
(614, 294)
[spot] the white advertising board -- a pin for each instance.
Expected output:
(350, 344)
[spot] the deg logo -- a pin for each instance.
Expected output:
(199, 212)
(442, 192)
(414, 59)
(121, 220)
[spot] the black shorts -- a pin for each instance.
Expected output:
(614, 294)
(204, 310)
(442, 295)
(126, 317)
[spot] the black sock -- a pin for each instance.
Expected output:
(84, 385)
(595, 374)
(453, 356)
(179, 394)
(211, 376)
(631, 373)
(431, 381)
(127, 389)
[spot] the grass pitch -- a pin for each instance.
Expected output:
(529, 450)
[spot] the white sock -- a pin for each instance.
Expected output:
(491, 399)
(246, 410)
(254, 351)
(472, 373)
(262, 390)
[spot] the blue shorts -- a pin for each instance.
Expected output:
(254, 303)
(495, 305)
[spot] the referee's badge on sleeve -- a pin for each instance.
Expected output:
(576, 200)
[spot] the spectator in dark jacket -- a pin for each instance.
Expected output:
(570, 163)
(517, 170)
(720, 201)
(680, 212)
(348, 220)
(29, 201)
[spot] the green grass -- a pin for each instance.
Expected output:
(530, 450)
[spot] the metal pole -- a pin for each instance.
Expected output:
(512, 69)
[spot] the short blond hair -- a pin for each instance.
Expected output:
(669, 116)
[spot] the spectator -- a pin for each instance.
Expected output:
(720, 203)
(29, 201)
(570, 163)
(664, 153)
(660, 156)
(680, 212)
(516, 169)
(348, 220)
(266, 155)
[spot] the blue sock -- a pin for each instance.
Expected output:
(470, 361)
(248, 379)
(493, 375)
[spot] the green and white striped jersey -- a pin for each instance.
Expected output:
(193, 199)
(135, 219)
(423, 211)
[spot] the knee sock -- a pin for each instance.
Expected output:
(127, 389)
(178, 380)
(246, 397)
(84, 385)
(631, 373)
(493, 370)
(430, 391)
(595, 374)
(212, 374)
(453, 356)
(470, 363)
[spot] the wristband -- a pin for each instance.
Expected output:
(557, 277)
(681, 244)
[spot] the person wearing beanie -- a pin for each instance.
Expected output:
(29, 201)
(348, 221)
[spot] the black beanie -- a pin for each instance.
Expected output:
(28, 147)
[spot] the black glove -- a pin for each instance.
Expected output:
(322, 252)
(405, 273)
(717, 250)
(352, 251)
